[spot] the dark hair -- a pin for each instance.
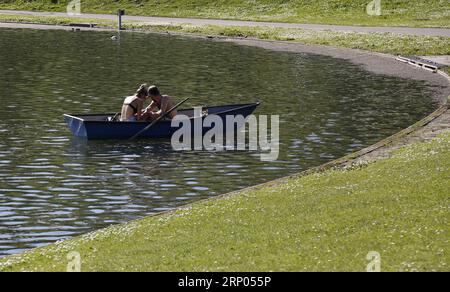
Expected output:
(153, 91)
(142, 90)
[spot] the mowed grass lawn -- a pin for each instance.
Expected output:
(398, 207)
(430, 13)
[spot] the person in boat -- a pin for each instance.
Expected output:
(133, 105)
(159, 106)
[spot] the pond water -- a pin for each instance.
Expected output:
(54, 186)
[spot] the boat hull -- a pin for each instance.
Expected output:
(96, 126)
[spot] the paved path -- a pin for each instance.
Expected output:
(166, 20)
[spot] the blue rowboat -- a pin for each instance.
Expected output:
(98, 126)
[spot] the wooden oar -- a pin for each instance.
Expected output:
(114, 118)
(158, 119)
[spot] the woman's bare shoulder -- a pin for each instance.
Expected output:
(130, 99)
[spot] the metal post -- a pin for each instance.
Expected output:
(120, 13)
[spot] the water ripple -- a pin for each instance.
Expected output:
(54, 186)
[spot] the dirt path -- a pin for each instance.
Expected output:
(166, 20)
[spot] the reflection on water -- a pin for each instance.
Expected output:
(53, 186)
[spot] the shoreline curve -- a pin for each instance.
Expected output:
(426, 128)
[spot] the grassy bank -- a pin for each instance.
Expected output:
(55, 20)
(431, 13)
(376, 42)
(397, 207)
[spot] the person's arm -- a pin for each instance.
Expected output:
(139, 113)
(152, 107)
(147, 113)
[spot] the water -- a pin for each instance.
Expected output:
(53, 186)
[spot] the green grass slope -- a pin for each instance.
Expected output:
(376, 42)
(394, 12)
(398, 207)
